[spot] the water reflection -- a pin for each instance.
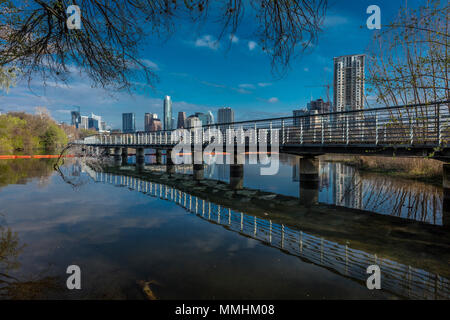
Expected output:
(403, 280)
(341, 185)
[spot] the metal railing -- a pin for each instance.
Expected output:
(397, 278)
(409, 125)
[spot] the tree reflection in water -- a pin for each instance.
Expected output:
(13, 286)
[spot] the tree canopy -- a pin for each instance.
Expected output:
(34, 36)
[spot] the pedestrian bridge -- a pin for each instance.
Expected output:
(408, 130)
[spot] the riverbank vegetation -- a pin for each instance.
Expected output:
(421, 169)
(23, 132)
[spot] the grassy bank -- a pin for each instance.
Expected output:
(421, 169)
(22, 132)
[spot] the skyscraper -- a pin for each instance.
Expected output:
(225, 115)
(76, 118)
(167, 116)
(152, 123)
(202, 117)
(84, 122)
(128, 122)
(210, 118)
(348, 85)
(181, 119)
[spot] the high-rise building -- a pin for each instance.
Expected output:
(128, 122)
(95, 122)
(76, 118)
(148, 119)
(319, 105)
(202, 117)
(151, 122)
(225, 115)
(348, 85)
(181, 119)
(167, 115)
(156, 125)
(84, 122)
(192, 122)
(210, 118)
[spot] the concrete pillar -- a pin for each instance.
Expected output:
(237, 176)
(170, 167)
(309, 180)
(117, 158)
(198, 166)
(124, 156)
(237, 172)
(158, 156)
(446, 195)
(140, 158)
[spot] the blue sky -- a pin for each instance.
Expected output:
(202, 74)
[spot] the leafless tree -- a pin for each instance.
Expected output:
(34, 36)
(409, 57)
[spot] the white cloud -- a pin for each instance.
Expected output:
(241, 90)
(273, 100)
(246, 86)
(233, 38)
(334, 20)
(264, 84)
(207, 41)
(252, 45)
(150, 64)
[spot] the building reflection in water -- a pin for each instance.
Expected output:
(403, 280)
(343, 185)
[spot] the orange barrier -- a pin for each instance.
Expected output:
(37, 156)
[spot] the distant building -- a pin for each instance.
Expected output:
(192, 122)
(156, 125)
(93, 124)
(210, 118)
(181, 119)
(84, 122)
(167, 115)
(348, 85)
(225, 115)
(319, 105)
(152, 123)
(76, 118)
(202, 117)
(128, 122)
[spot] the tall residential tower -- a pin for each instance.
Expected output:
(348, 83)
(225, 115)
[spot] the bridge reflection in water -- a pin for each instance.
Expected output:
(400, 279)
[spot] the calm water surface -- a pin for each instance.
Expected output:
(120, 232)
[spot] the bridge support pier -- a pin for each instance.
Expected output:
(446, 196)
(309, 180)
(170, 167)
(107, 152)
(237, 172)
(124, 156)
(140, 158)
(198, 166)
(158, 156)
(117, 160)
